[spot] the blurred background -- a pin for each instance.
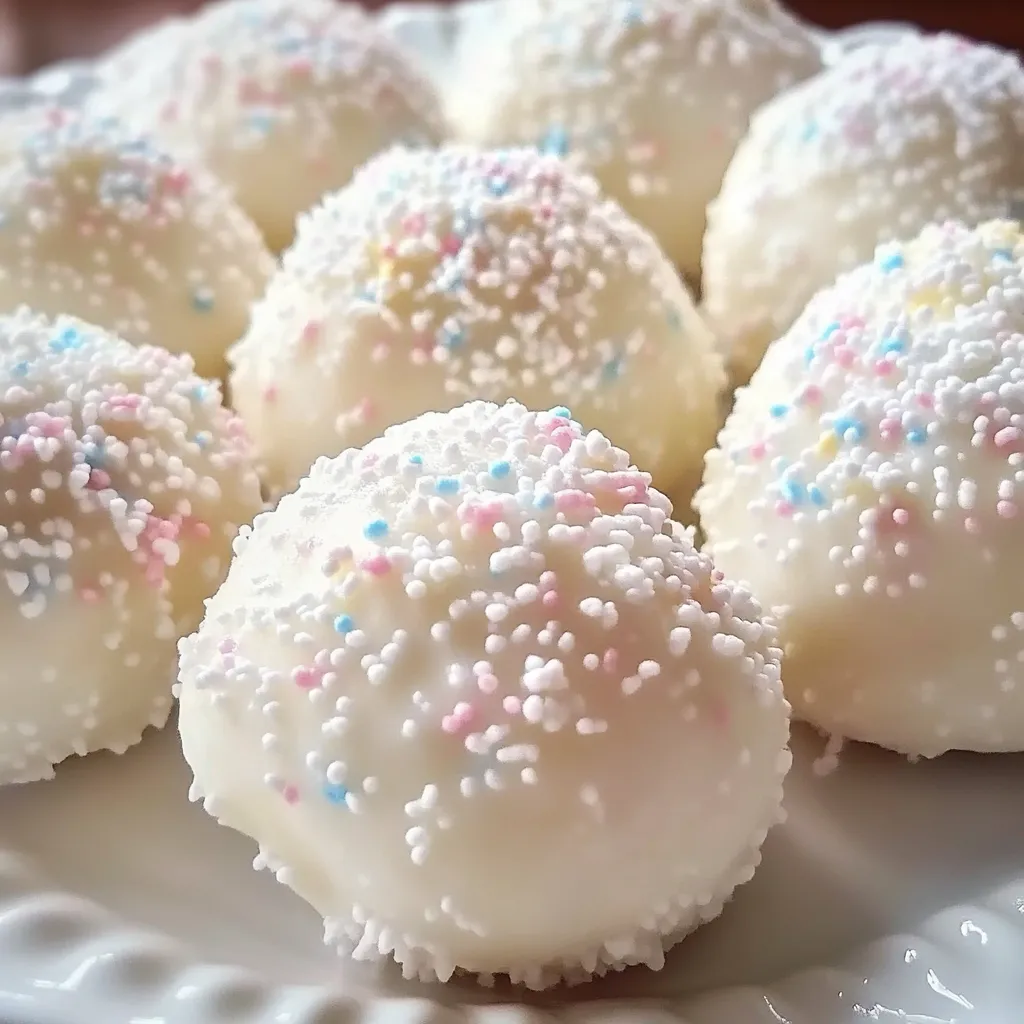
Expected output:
(38, 32)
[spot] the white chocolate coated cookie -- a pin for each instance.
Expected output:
(281, 99)
(888, 140)
(483, 705)
(867, 488)
(436, 278)
(650, 97)
(122, 483)
(97, 221)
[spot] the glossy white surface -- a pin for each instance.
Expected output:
(895, 892)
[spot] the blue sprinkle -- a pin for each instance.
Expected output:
(498, 186)
(202, 300)
(562, 412)
(261, 122)
(94, 458)
(814, 493)
(335, 794)
(199, 392)
(375, 528)
(917, 436)
(793, 491)
(830, 330)
(675, 321)
(447, 485)
(809, 353)
(555, 141)
(612, 369)
(845, 426)
(894, 261)
(203, 439)
(499, 470)
(634, 15)
(344, 624)
(810, 131)
(1004, 254)
(69, 338)
(452, 337)
(416, 460)
(892, 345)
(778, 411)
(20, 369)
(545, 500)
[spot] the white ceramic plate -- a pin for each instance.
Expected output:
(894, 893)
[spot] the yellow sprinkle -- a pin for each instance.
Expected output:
(828, 445)
(385, 270)
(860, 488)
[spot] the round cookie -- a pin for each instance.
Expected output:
(282, 99)
(464, 677)
(124, 481)
(99, 223)
(652, 98)
(866, 488)
(890, 139)
(440, 277)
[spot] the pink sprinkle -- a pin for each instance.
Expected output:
(1007, 509)
(901, 516)
(290, 794)
(718, 711)
(270, 393)
(177, 182)
(890, 429)
(307, 677)
(450, 245)
(99, 480)
(926, 401)
(482, 517)
(883, 368)
(757, 451)
(311, 331)
(550, 599)
(414, 224)
(1008, 439)
(131, 401)
(90, 595)
(365, 411)
(226, 646)
(376, 565)
(571, 501)
(487, 683)
(784, 509)
(811, 394)
(610, 660)
(848, 323)
(844, 356)
(563, 437)
(460, 718)
(512, 705)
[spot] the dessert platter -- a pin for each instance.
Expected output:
(510, 515)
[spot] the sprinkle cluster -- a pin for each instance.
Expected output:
(97, 221)
(899, 391)
(468, 274)
(120, 469)
(652, 96)
(890, 139)
(296, 93)
(474, 603)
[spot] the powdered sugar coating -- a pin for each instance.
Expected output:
(867, 486)
(282, 99)
(97, 221)
(651, 97)
(124, 481)
(888, 140)
(440, 277)
(465, 676)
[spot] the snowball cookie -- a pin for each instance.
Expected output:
(466, 678)
(99, 223)
(650, 97)
(889, 140)
(123, 482)
(282, 99)
(439, 277)
(866, 486)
